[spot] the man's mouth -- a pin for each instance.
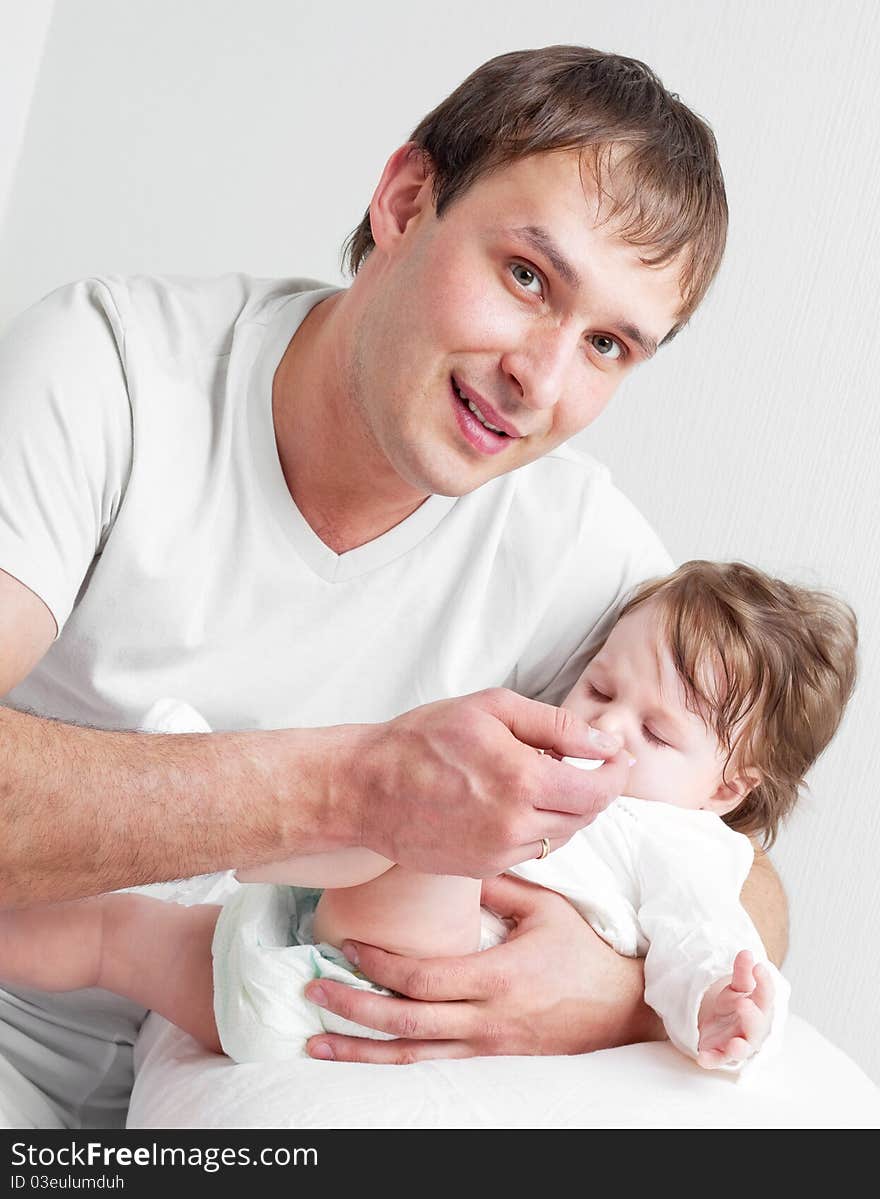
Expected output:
(484, 428)
(476, 411)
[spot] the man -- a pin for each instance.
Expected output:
(319, 514)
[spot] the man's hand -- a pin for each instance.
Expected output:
(456, 787)
(554, 987)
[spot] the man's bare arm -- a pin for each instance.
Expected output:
(451, 787)
(85, 811)
(764, 899)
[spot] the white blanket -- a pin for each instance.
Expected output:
(811, 1084)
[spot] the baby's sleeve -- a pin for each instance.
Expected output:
(65, 439)
(691, 874)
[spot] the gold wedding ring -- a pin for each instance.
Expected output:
(545, 849)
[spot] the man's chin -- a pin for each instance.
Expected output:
(454, 487)
(454, 472)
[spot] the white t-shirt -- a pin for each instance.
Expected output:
(141, 497)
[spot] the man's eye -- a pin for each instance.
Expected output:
(526, 278)
(608, 347)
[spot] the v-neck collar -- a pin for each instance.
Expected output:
(323, 561)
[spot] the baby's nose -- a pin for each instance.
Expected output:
(610, 720)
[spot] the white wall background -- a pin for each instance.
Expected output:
(205, 136)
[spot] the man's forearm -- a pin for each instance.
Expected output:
(85, 811)
(625, 1019)
(764, 899)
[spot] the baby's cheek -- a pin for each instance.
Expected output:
(652, 779)
(638, 784)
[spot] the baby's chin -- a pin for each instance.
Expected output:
(638, 793)
(630, 792)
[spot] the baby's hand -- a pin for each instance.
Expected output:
(735, 1014)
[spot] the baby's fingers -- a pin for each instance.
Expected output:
(736, 1050)
(762, 996)
(710, 1059)
(743, 976)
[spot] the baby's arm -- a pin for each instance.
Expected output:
(691, 871)
(157, 954)
(735, 1014)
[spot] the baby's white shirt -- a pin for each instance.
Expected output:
(663, 882)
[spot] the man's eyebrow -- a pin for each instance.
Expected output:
(540, 239)
(648, 345)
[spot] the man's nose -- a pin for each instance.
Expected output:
(540, 365)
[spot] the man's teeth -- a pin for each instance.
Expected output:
(478, 414)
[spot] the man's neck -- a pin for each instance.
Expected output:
(337, 476)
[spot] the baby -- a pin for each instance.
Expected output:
(724, 684)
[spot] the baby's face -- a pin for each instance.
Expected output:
(631, 688)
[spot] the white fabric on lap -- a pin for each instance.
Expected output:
(811, 1084)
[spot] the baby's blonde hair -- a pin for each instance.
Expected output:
(768, 666)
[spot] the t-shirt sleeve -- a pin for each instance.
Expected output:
(65, 439)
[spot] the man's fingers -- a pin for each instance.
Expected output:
(547, 727)
(438, 980)
(331, 1046)
(398, 1017)
(512, 898)
(534, 849)
(564, 788)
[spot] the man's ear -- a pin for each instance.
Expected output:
(730, 792)
(403, 192)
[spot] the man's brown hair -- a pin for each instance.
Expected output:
(768, 666)
(653, 160)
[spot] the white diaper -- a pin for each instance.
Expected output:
(263, 959)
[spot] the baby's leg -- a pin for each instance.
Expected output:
(406, 912)
(157, 954)
(55, 947)
(341, 868)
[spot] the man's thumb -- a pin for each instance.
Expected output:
(510, 898)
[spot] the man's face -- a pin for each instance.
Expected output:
(516, 303)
